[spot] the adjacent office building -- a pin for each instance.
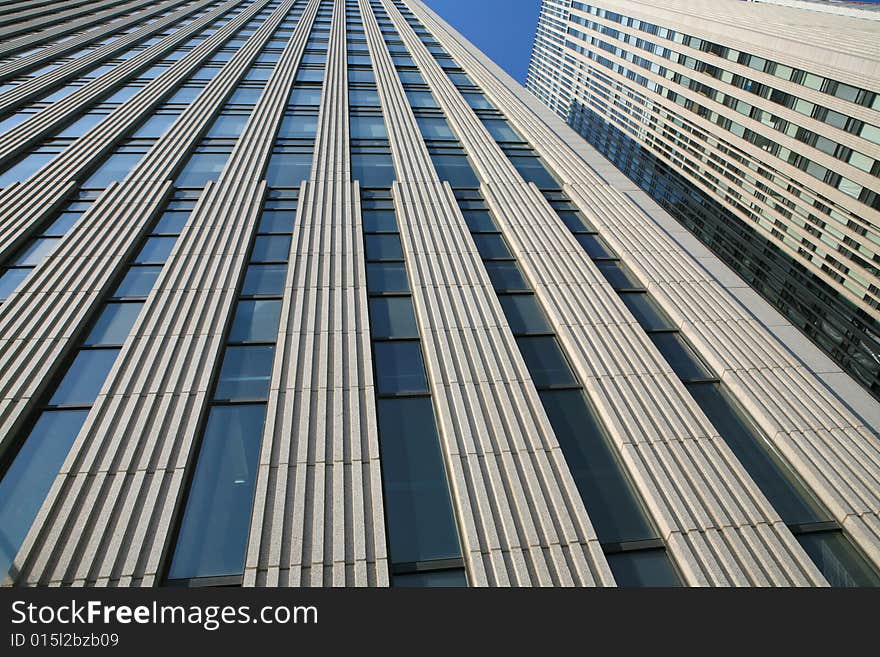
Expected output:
(310, 293)
(757, 126)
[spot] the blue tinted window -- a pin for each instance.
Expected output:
(399, 367)
(368, 127)
(138, 282)
(29, 477)
(383, 247)
(392, 317)
(245, 373)
(387, 277)
(25, 169)
(62, 224)
(546, 363)
(201, 168)
(421, 99)
(363, 97)
(277, 221)
(298, 126)
(37, 250)
(641, 568)
(421, 525)
(156, 250)
(228, 125)
(288, 169)
(81, 126)
(434, 127)
(533, 170)
(305, 96)
(271, 248)
(84, 378)
(155, 126)
(214, 532)
(456, 169)
(245, 96)
(114, 324)
(10, 280)
(506, 276)
(373, 169)
(256, 321)
(431, 578)
(524, 314)
(264, 280)
(115, 168)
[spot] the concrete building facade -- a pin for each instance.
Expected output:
(310, 293)
(757, 126)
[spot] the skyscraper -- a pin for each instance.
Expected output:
(309, 293)
(757, 126)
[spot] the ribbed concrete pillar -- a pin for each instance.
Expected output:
(318, 518)
(107, 517)
(521, 519)
(718, 526)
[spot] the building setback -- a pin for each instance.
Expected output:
(310, 293)
(757, 126)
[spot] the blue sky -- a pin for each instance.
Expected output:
(503, 29)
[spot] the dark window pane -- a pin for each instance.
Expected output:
(115, 168)
(434, 578)
(387, 277)
(838, 560)
(791, 501)
(614, 510)
(399, 367)
(641, 568)
(545, 361)
(201, 168)
(647, 313)
(421, 525)
(434, 127)
(245, 373)
(29, 477)
(618, 275)
(83, 381)
(506, 276)
(392, 317)
(595, 246)
(37, 250)
(256, 321)
(214, 532)
(479, 221)
(114, 324)
(264, 279)
(156, 250)
(524, 314)
(373, 169)
(277, 221)
(456, 169)
(491, 247)
(533, 170)
(288, 169)
(574, 221)
(271, 248)
(680, 356)
(10, 280)
(368, 127)
(379, 221)
(299, 126)
(383, 247)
